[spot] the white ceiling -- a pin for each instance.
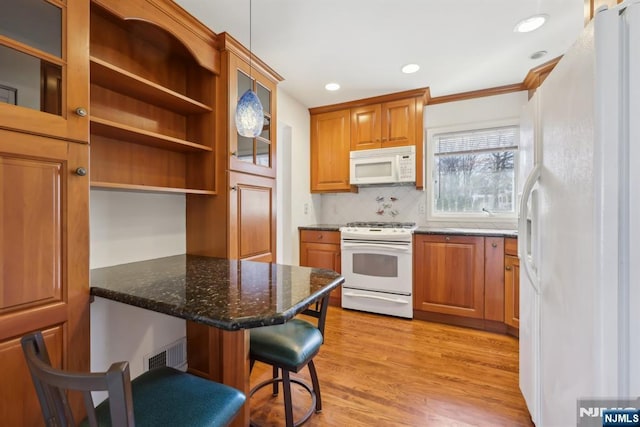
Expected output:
(461, 45)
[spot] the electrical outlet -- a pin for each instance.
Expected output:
(421, 208)
(306, 208)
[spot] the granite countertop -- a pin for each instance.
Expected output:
(467, 231)
(429, 230)
(228, 294)
(321, 227)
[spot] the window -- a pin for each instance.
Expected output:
(473, 172)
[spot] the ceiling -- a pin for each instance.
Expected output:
(460, 45)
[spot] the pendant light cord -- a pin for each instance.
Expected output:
(250, 54)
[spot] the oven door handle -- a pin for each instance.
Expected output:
(390, 248)
(397, 300)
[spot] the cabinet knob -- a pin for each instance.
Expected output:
(81, 171)
(508, 268)
(447, 238)
(494, 245)
(233, 153)
(234, 188)
(82, 112)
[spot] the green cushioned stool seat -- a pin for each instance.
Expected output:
(289, 348)
(169, 397)
(290, 345)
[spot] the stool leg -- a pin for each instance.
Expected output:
(316, 385)
(288, 406)
(275, 383)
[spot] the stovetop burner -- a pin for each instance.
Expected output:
(382, 224)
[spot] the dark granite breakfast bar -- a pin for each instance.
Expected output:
(227, 294)
(221, 299)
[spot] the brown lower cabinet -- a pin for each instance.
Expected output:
(449, 275)
(459, 279)
(321, 249)
(511, 286)
(44, 272)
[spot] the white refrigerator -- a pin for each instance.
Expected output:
(579, 228)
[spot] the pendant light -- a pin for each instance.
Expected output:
(249, 111)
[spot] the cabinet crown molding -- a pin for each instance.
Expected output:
(225, 42)
(423, 93)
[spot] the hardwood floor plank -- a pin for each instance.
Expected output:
(382, 371)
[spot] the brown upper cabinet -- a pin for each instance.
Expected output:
(240, 222)
(250, 155)
(45, 73)
(390, 124)
(152, 99)
(330, 141)
(384, 121)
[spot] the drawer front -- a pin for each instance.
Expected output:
(511, 246)
(318, 236)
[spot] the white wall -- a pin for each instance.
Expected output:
(410, 204)
(135, 226)
(128, 227)
(489, 108)
(304, 206)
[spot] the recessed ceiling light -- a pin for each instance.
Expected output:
(332, 86)
(538, 54)
(410, 68)
(530, 24)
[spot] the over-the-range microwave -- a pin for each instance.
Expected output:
(393, 165)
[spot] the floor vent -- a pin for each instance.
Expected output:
(174, 355)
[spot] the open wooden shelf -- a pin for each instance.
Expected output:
(137, 187)
(122, 81)
(119, 131)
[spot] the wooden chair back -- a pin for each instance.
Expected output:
(51, 385)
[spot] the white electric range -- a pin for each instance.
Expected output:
(377, 264)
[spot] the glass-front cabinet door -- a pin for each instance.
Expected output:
(252, 155)
(44, 62)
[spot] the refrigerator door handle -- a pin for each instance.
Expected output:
(523, 241)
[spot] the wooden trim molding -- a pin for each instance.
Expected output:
(590, 7)
(198, 39)
(536, 75)
(531, 82)
(422, 92)
(227, 42)
(499, 90)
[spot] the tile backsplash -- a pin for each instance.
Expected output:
(395, 203)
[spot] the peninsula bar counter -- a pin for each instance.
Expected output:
(221, 299)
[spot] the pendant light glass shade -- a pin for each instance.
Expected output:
(249, 115)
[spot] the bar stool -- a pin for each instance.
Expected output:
(289, 348)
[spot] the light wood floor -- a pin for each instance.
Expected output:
(384, 371)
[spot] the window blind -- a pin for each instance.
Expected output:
(493, 139)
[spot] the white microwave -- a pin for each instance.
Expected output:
(383, 166)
